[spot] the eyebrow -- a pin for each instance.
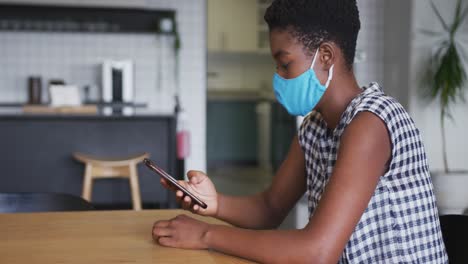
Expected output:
(279, 53)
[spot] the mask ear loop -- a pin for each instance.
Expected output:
(330, 72)
(313, 61)
(330, 76)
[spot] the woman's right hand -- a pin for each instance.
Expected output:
(201, 186)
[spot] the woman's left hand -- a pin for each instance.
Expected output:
(181, 232)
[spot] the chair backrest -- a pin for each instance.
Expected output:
(41, 202)
(455, 233)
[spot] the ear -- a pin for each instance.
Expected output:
(327, 55)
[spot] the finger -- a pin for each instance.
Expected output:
(182, 216)
(195, 180)
(193, 210)
(187, 202)
(183, 183)
(179, 194)
(166, 241)
(163, 183)
(196, 208)
(179, 197)
(162, 232)
(167, 185)
(163, 223)
(196, 177)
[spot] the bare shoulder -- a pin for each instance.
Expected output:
(367, 134)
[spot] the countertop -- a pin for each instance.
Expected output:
(9, 113)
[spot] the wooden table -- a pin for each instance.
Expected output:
(94, 237)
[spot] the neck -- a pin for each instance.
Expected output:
(342, 90)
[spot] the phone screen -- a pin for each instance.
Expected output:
(174, 182)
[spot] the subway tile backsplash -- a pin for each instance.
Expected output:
(77, 59)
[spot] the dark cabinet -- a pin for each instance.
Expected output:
(36, 154)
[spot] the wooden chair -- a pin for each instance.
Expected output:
(104, 168)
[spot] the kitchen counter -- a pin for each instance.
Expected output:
(5, 115)
(17, 111)
(36, 153)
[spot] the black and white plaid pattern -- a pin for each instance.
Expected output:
(401, 223)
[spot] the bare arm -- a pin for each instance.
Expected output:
(362, 159)
(261, 211)
(268, 209)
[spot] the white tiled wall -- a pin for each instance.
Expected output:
(76, 58)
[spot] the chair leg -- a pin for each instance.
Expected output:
(135, 188)
(88, 183)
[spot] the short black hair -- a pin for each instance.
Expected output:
(316, 21)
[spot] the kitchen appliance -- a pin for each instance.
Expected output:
(118, 83)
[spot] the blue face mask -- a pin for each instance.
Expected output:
(301, 94)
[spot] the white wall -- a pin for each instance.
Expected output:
(191, 16)
(396, 37)
(384, 40)
(371, 42)
(426, 114)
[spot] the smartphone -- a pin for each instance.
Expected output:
(174, 182)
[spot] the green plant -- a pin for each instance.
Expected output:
(446, 76)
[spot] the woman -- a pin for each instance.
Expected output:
(358, 156)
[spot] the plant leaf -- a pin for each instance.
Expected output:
(445, 75)
(457, 19)
(448, 77)
(449, 116)
(430, 33)
(439, 16)
(458, 9)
